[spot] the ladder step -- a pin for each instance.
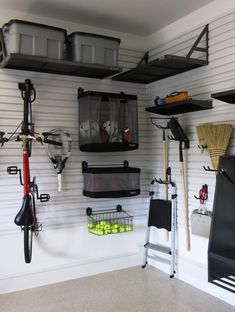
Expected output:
(158, 247)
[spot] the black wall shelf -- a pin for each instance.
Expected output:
(221, 249)
(180, 107)
(53, 66)
(225, 96)
(167, 66)
(158, 69)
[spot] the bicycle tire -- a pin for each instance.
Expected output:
(28, 242)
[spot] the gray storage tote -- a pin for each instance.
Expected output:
(29, 38)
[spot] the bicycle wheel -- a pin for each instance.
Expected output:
(28, 233)
(28, 242)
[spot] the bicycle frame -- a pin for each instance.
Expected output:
(26, 217)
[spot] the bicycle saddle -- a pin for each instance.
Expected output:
(24, 216)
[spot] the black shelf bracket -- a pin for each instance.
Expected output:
(195, 46)
(144, 60)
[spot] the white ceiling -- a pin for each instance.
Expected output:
(141, 17)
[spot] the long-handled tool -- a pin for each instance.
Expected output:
(164, 162)
(179, 135)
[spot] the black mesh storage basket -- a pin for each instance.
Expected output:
(107, 121)
(111, 182)
(113, 221)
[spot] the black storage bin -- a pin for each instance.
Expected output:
(108, 122)
(111, 182)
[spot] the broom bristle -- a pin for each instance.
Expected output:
(217, 138)
(201, 133)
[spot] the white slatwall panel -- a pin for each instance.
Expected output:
(200, 83)
(56, 106)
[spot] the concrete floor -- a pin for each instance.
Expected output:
(129, 290)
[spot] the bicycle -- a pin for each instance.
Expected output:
(26, 217)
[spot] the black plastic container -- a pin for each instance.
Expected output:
(111, 182)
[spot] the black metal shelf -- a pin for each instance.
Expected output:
(53, 66)
(181, 107)
(167, 66)
(158, 69)
(225, 96)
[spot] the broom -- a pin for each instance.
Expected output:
(217, 139)
(201, 133)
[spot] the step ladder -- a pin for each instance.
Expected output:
(162, 215)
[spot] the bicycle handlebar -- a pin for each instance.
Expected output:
(42, 138)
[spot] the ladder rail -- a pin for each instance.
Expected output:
(171, 251)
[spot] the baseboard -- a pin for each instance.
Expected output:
(195, 274)
(11, 283)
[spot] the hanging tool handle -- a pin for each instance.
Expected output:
(185, 206)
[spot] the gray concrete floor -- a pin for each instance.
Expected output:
(129, 290)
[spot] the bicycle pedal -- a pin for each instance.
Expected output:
(44, 198)
(12, 170)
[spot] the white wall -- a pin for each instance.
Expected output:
(64, 249)
(200, 83)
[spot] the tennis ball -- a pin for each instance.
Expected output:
(128, 228)
(100, 232)
(90, 225)
(114, 231)
(107, 231)
(122, 228)
(115, 226)
(107, 227)
(97, 226)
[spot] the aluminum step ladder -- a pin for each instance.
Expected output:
(162, 214)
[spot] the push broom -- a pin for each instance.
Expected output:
(179, 135)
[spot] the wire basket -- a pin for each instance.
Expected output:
(104, 222)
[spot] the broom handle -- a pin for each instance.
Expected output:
(165, 163)
(185, 205)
